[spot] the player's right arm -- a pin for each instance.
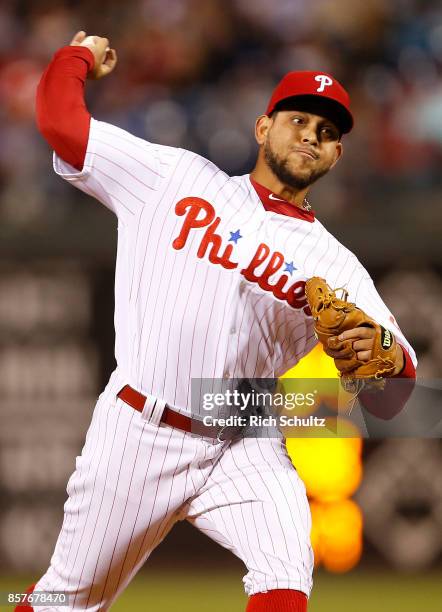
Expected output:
(62, 116)
(122, 171)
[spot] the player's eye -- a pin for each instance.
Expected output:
(298, 120)
(329, 133)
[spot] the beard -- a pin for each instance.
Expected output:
(280, 168)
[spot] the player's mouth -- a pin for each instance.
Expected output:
(306, 153)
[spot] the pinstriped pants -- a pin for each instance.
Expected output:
(134, 480)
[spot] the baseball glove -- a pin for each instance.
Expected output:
(332, 316)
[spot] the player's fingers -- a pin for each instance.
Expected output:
(111, 57)
(363, 345)
(364, 355)
(335, 344)
(102, 45)
(346, 351)
(357, 332)
(338, 354)
(78, 38)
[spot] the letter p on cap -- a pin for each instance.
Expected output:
(324, 80)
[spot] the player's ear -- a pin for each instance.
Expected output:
(338, 152)
(262, 126)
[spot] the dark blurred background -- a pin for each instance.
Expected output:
(195, 74)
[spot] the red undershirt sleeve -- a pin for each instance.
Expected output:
(388, 403)
(62, 116)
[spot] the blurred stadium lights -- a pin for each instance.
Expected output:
(401, 497)
(48, 385)
(166, 122)
(336, 534)
(415, 296)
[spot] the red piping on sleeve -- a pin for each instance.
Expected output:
(62, 116)
(408, 371)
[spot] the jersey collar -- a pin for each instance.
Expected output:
(274, 203)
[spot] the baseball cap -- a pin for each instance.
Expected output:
(318, 88)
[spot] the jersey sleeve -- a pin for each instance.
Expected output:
(122, 171)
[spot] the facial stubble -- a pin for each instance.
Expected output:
(280, 168)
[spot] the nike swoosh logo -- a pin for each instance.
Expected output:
(272, 197)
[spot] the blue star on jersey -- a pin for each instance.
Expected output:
(235, 236)
(289, 267)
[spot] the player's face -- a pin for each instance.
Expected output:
(300, 147)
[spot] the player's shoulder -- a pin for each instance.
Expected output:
(212, 181)
(123, 139)
(348, 270)
(197, 162)
(333, 241)
(186, 161)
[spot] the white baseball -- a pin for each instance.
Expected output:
(89, 40)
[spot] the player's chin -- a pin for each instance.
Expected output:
(309, 173)
(303, 165)
(302, 171)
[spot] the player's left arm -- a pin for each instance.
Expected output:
(389, 402)
(369, 300)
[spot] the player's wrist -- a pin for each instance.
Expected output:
(76, 51)
(400, 360)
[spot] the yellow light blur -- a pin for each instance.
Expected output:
(330, 467)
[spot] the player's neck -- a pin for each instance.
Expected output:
(265, 177)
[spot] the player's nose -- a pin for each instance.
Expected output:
(309, 135)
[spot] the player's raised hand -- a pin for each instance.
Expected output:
(105, 57)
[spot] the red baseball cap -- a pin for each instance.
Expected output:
(326, 90)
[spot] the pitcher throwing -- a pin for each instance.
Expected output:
(210, 283)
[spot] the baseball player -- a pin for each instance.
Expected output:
(210, 284)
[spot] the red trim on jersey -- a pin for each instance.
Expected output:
(408, 371)
(278, 600)
(388, 403)
(282, 207)
(62, 116)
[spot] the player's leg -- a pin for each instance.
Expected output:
(124, 497)
(278, 600)
(255, 504)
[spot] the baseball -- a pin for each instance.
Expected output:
(89, 41)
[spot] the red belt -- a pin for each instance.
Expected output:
(136, 400)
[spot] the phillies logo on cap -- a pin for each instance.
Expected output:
(306, 83)
(325, 81)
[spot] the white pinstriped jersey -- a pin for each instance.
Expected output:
(208, 283)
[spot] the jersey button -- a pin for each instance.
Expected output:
(232, 330)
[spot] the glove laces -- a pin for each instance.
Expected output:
(331, 299)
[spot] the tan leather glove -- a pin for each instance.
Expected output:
(332, 316)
